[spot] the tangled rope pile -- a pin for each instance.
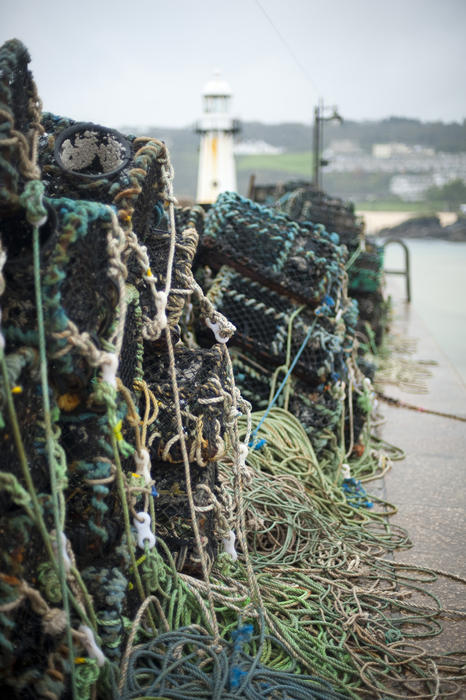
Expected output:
(132, 464)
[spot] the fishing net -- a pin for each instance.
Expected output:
(303, 202)
(300, 261)
(91, 162)
(262, 318)
(190, 217)
(20, 110)
(366, 273)
(319, 411)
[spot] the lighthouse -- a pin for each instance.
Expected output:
(217, 171)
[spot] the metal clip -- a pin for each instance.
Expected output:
(229, 545)
(142, 525)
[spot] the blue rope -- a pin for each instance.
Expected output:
(252, 442)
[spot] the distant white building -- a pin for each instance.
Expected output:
(390, 150)
(411, 188)
(401, 150)
(217, 171)
(256, 148)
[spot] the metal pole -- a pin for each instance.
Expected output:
(316, 145)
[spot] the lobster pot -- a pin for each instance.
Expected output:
(351, 320)
(319, 411)
(373, 311)
(19, 114)
(205, 401)
(83, 294)
(262, 320)
(157, 248)
(95, 539)
(28, 402)
(366, 274)
(26, 640)
(253, 380)
(130, 367)
(173, 513)
(355, 418)
(301, 261)
(87, 161)
(19, 314)
(86, 441)
(190, 217)
(302, 202)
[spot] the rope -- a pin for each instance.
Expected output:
(403, 404)
(284, 381)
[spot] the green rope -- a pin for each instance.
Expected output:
(36, 215)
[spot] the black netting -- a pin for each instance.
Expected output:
(205, 395)
(304, 202)
(173, 514)
(301, 261)
(19, 113)
(132, 347)
(79, 290)
(87, 161)
(27, 398)
(187, 217)
(262, 320)
(157, 247)
(319, 411)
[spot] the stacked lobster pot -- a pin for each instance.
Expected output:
(109, 423)
(303, 202)
(283, 284)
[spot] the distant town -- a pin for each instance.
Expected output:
(388, 164)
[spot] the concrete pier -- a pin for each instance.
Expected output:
(428, 486)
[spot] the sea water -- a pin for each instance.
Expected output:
(438, 291)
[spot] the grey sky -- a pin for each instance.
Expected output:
(145, 62)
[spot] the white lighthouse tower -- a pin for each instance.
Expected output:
(217, 171)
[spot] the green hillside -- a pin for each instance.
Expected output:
(296, 162)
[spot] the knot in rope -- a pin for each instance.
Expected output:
(32, 200)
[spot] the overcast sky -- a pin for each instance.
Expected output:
(145, 62)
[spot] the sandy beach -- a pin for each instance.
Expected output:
(377, 220)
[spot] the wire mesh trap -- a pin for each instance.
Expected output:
(264, 320)
(303, 202)
(19, 124)
(319, 411)
(147, 269)
(88, 161)
(205, 400)
(301, 261)
(173, 513)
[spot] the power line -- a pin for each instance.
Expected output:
(289, 49)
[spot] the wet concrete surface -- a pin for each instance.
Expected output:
(428, 486)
